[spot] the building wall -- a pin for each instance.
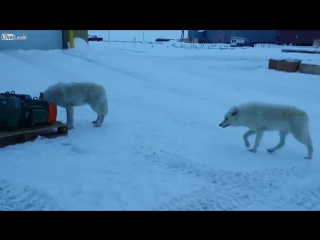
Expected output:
(196, 34)
(214, 36)
(253, 36)
(41, 39)
(259, 36)
(36, 39)
(304, 37)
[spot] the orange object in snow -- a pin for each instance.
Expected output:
(52, 113)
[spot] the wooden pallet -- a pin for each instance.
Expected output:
(29, 134)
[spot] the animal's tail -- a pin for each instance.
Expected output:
(104, 105)
(300, 129)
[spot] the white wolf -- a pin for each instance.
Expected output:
(260, 117)
(69, 95)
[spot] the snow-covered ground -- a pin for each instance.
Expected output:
(160, 147)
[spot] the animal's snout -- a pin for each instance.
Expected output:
(223, 125)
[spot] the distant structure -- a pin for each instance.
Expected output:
(295, 37)
(198, 35)
(220, 36)
(224, 36)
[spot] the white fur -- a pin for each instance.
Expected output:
(260, 117)
(69, 95)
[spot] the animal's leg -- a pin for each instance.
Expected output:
(245, 137)
(69, 110)
(310, 151)
(304, 137)
(96, 121)
(259, 134)
(97, 108)
(100, 122)
(282, 142)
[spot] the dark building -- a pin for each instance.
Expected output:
(224, 36)
(200, 34)
(297, 37)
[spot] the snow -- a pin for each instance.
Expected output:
(79, 43)
(314, 62)
(160, 147)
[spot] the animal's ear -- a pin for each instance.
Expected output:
(235, 111)
(41, 95)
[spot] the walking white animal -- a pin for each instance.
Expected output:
(69, 95)
(260, 117)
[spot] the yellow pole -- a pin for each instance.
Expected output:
(71, 40)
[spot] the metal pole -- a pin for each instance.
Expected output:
(142, 36)
(109, 36)
(71, 39)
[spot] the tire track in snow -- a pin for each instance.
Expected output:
(229, 190)
(16, 198)
(305, 199)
